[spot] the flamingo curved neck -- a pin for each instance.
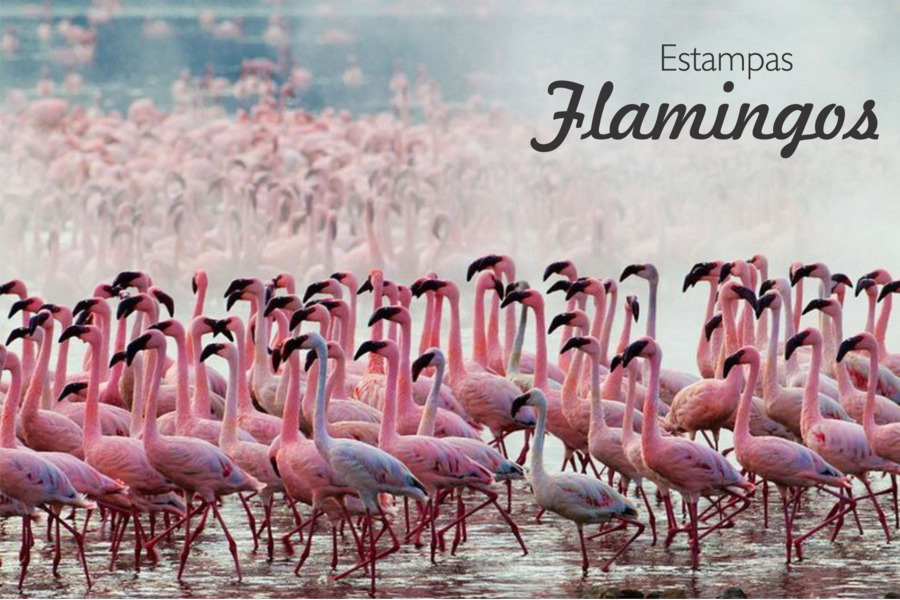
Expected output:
(429, 415)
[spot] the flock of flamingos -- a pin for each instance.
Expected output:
(372, 441)
(387, 445)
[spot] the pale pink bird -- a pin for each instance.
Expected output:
(579, 498)
(306, 475)
(789, 465)
(689, 468)
(263, 427)
(44, 430)
(852, 368)
(708, 404)
(671, 382)
(409, 414)
(184, 421)
(370, 471)
(784, 404)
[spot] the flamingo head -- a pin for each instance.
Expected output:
(889, 288)
(702, 271)
(313, 311)
(829, 306)
(866, 284)
(288, 302)
(433, 357)
(587, 344)
(326, 286)
(864, 341)
(644, 271)
(395, 314)
(748, 355)
(807, 337)
(566, 268)
(575, 318)
(710, 326)
(645, 347)
(152, 339)
(31, 304)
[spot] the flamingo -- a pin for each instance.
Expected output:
(789, 465)
(250, 456)
(437, 464)
(194, 465)
(671, 382)
(784, 404)
(709, 403)
(44, 430)
(486, 397)
(851, 399)
(573, 496)
(370, 471)
(184, 421)
(841, 443)
(686, 467)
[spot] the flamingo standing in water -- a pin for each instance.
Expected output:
(194, 465)
(841, 443)
(883, 439)
(251, 456)
(576, 497)
(691, 469)
(790, 466)
(486, 397)
(437, 464)
(370, 471)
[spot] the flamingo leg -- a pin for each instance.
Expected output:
(186, 549)
(650, 515)
(251, 520)
(881, 517)
(79, 541)
(624, 547)
(232, 545)
(306, 549)
(585, 563)
(25, 552)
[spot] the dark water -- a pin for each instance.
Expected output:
(488, 564)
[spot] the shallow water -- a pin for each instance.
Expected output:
(487, 565)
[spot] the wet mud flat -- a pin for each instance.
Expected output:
(489, 564)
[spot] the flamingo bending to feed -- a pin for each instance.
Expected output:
(576, 497)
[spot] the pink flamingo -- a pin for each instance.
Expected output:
(790, 466)
(576, 497)
(251, 456)
(784, 404)
(671, 382)
(263, 427)
(707, 349)
(44, 430)
(486, 397)
(883, 439)
(841, 443)
(35, 482)
(409, 414)
(852, 399)
(306, 475)
(196, 466)
(709, 403)
(691, 469)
